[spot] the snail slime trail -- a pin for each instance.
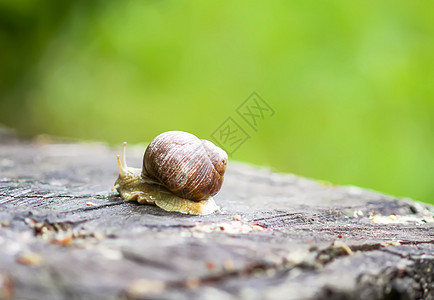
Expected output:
(180, 173)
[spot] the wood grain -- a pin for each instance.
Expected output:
(65, 235)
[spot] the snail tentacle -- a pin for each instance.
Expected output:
(121, 168)
(124, 155)
(180, 173)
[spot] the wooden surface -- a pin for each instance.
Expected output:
(65, 235)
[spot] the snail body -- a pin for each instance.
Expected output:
(180, 173)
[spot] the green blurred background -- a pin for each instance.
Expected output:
(351, 83)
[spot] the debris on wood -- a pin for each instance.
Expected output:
(65, 235)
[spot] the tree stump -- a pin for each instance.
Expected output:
(65, 235)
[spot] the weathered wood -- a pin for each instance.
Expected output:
(64, 234)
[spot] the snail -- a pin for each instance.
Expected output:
(180, 173)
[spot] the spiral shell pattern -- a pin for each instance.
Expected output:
(189, 167)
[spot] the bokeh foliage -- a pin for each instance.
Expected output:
(352, 83)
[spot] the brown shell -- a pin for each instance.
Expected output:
(189, 167)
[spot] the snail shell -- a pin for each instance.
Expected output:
(180, 173)
(187, 166)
